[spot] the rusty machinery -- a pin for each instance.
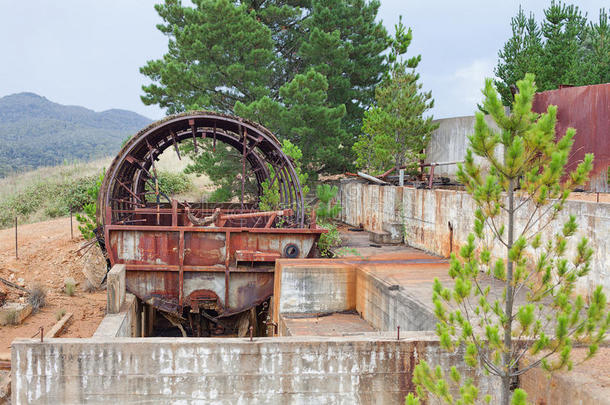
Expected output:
(205, 266)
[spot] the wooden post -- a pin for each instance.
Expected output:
(16, 245)
(71, 227)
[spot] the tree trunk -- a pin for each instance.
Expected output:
(508, 309)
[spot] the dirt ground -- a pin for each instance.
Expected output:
(46, 257)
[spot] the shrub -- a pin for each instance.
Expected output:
(69, 286)
(88, 221)
(329, 240)
(169, 184)
(37, 297)
(326, 211)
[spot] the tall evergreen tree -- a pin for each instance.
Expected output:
(286, 20)
(563, 49)
(521, 54)
(564, 29)
(395, 131)
(597, 48)
(218, 54)
(346, 44)
(304, 116)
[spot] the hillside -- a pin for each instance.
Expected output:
(35, 131)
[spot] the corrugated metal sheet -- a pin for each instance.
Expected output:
(587, 109)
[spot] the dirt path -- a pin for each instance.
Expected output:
(46, 257)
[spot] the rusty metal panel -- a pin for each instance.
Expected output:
(587, 109)
(204, 248)
(143, 247)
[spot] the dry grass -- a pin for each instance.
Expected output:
(37, 297)
(69, 286)
(16, 183)
(60, 314)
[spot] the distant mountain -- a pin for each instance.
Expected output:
(37, 132)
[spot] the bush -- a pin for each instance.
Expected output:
(169, 184)
(69, 286)
(329, 240)
(54, 198)
(88, 221)
(37, 297)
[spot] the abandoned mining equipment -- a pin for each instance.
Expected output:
(208, 268)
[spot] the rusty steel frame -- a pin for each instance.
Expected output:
(167, 257)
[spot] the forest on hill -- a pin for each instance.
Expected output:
(35, 132)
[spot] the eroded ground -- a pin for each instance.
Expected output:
(46, 257)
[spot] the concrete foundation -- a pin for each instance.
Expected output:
(224, 371)
(125, 323)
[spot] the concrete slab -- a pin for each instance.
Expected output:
(337, 324)
(14, 313)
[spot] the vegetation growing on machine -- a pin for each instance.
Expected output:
(509, 334)
(327, 210)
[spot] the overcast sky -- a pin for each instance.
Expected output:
(88, 52)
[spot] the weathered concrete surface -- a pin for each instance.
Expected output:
(115, 290)
(314, 286)
(14, 312)
(439, 221)
(449, 142)
(126, 323)
(348, 370)
(336, 324)
(587, 384)
(388, 289)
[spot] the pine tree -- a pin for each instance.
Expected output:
(304, 116)
(218, 54)
(521, 54)
(498, 330)
(346, 44)
(285, 19)
(597, 50)
(564, 29)
(563, 49)
(395, 131)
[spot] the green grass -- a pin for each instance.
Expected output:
(51, 192)
(48, 192)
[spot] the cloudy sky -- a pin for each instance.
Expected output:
(88, 52)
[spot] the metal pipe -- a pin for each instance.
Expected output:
(371, 178)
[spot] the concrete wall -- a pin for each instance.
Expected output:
(313, 286)
(427, 217)
(322, 286)
(385, 308)
(450, 141)
(355, 370)
(585, 384)
(126, 323)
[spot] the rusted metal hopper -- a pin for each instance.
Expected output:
(214, 260)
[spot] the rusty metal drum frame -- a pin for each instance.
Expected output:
(173, 264)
